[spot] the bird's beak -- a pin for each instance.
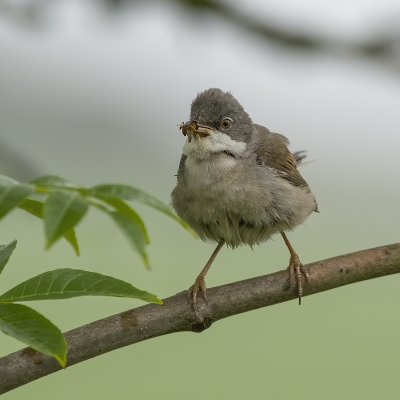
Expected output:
(193, 128)
(204, 130)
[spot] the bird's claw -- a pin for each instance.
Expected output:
(296, 269)
(199, 285)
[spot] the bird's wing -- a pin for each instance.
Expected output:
(273, 152)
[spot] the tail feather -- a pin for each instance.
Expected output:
(299, 156)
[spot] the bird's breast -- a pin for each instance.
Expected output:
(218, 198)
(234, 199)
(211, 176)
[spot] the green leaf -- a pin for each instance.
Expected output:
(66, 283)
(32, 206)
(70, 237)
(7, 181)
(33, 329)
(126, 192)
(125, 209)
(5, 253)
(55, 181)
(62, 211)
(35, 207)
(11, 194)
(133, 233)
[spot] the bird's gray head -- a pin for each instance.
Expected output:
(217, 123)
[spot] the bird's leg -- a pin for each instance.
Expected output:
(296, 268)
(199, 283)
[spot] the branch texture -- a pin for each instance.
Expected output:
(177, 315)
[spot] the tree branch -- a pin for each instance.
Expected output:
(177, 315)
(381, 48)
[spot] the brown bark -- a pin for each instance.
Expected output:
(177, 314)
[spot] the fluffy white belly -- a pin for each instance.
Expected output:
(219, 202)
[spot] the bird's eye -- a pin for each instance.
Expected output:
(226, 123)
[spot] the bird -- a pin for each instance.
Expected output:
(238, 183)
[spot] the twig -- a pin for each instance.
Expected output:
(177, 315)
(381, 47)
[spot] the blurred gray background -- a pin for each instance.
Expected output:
(94, 90)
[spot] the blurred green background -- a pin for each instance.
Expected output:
(93, 91)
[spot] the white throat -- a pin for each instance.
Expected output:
(204, 147)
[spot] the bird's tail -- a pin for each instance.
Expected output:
(300, 156)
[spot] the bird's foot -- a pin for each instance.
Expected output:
(296, 269)
(199, 285)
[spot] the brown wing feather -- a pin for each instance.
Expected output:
(274, 153)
